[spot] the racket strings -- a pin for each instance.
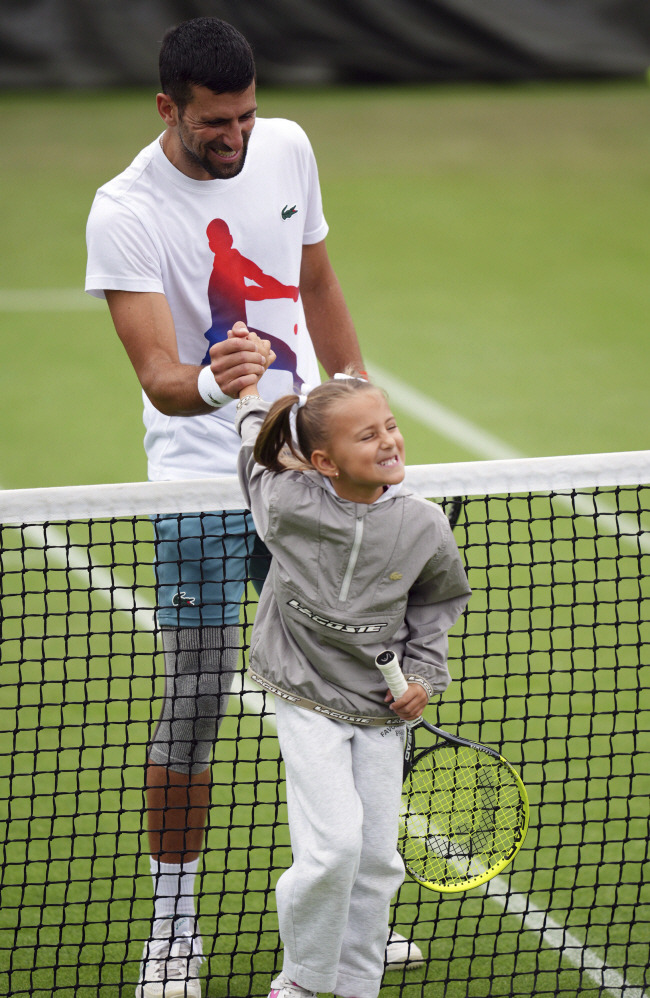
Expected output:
(461, 815)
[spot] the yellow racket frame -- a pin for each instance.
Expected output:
(512, 801)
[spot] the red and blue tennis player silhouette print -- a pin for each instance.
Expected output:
(228, 293)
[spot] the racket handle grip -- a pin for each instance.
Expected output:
(388, 665)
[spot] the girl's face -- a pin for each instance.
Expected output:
(365, 450)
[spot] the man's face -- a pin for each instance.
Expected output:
(211, 135)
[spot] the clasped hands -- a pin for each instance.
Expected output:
(240, 361)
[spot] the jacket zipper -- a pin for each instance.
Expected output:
(352, 561)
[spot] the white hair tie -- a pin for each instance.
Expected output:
(348, 377)
(302, 395)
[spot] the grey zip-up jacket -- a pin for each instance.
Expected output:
(347, 580)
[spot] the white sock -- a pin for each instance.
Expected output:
(173, 888)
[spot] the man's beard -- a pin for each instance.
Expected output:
(224, 172)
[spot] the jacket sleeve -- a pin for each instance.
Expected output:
(427, 648)
(435, 603)
(256, 481)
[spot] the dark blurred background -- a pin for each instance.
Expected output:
(104, 43)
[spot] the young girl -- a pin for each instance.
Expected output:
(360, 564)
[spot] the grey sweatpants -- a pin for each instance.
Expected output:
(343, 795)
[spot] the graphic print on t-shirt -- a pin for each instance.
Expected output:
(228, 292)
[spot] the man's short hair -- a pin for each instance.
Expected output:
(204, 52)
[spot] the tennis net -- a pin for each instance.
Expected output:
(550, 663)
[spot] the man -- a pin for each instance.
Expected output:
(218, 219)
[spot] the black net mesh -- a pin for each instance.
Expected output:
(550, 664)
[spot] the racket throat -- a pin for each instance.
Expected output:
(409, 745)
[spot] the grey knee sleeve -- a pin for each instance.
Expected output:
(200, 664)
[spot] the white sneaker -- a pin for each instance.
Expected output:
(282, 987)
(401, 953)
(171, 960)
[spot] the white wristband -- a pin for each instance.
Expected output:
(209, 389)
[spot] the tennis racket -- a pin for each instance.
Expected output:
(464, 813)
(453, 509)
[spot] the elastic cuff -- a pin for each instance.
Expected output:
(422, 682)
(310, 980)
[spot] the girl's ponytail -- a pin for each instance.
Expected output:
(275, 447)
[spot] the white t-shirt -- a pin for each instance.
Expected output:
(215, 249)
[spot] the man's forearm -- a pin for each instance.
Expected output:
(144, 323)
(331, 328)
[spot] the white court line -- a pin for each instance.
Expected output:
(533, 919)
(484, 445)
(107, 585)
(48, 300)
(557, 936)
(440, 419)
(452, 426)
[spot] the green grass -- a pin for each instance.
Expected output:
(492, 244)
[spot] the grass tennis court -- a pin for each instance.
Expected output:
(492, 244)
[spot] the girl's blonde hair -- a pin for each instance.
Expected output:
(275, 447)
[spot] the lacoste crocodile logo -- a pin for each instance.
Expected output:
(287, 212)
(182, 599)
